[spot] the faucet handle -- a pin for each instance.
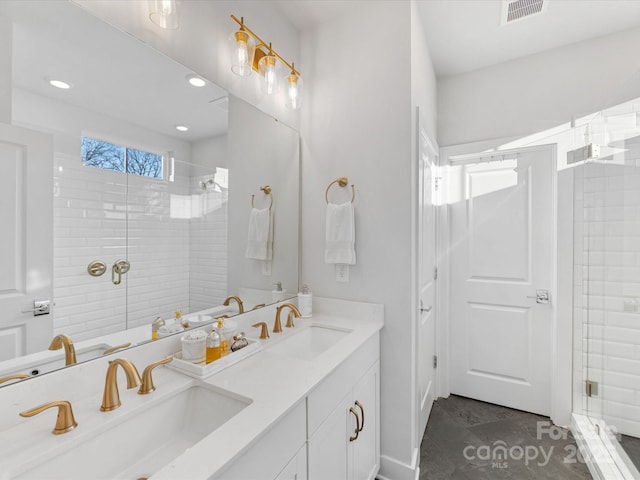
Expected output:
(116, 348)
(264, 332)
(17, 376)
(290, 318)
(65, 421)
(147, 385)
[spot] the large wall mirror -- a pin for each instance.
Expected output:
(164, 211)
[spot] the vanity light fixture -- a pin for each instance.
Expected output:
(182, 128)
(267, 68)
(164, 13)
(195, 80)
(250, 52)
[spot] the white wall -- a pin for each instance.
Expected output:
(263, 152)
(357, 122)
(540, 91)
(208, 238)
(5, 70)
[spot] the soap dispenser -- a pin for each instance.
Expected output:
(278, 294)
(180, 321)
(213, 346)
(224, 343)
(305, 304)
(155, 326)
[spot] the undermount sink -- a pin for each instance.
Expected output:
(142, 444)
(310, 342)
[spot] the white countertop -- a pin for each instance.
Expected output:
(275, 383)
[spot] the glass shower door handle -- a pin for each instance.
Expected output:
(541, 296)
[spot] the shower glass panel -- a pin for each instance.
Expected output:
(171, 231)
(607, 273)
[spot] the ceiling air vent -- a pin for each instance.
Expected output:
(513, 10)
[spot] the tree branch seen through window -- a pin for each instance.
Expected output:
(108, 156)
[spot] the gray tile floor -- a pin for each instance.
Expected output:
(468, 439)
(631, 445)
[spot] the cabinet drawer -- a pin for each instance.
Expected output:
(328, 394)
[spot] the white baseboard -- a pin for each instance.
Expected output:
(392, 469)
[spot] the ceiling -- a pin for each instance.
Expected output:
(111, 72)
(466, 35)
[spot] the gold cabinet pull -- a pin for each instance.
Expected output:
(361, 411)
(357, 432)
(65, 421)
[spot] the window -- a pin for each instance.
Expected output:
(109, 156)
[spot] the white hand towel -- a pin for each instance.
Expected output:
(260, 237)
(340, 234)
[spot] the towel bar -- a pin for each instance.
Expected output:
(343, 182)
(267, 191)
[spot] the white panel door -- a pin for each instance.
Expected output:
(426, 268)
(501, 233)
(26, 239)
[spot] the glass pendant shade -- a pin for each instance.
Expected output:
(267, 68)
(293, 85)
(243, 48)
(164, 13)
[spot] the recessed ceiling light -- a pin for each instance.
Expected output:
(182, 128)
(59, 83)
(195, 80)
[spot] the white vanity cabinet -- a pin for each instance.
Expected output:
(343, 419)
(278, 455)
(297, 467)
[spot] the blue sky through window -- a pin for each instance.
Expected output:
(109, 156)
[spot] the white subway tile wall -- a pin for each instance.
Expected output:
(607, 289)
(172, 233)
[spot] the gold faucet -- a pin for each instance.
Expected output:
(65, 421)
(16, 376)
(111, 396)
(147, 380)
(277, 326)
(63, 340)
(237, 299)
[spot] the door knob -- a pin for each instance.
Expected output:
(541, 296)
(40, 307)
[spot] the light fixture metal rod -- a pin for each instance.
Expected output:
(262, 43)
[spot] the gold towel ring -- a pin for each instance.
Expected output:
(343, 182)
(267, 191)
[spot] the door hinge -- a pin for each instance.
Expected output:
(435, 361)
(591, 388)
(435, 273)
